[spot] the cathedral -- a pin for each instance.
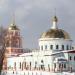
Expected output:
(55, 53)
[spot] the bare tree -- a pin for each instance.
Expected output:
(3, 33)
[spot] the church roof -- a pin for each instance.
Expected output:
(13, 27)
(55, 32)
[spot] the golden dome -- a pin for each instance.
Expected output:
(55, 33)
(13, 27)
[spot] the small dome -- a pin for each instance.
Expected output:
(55, 33)
(13, 27)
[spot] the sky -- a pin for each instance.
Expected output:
(34, 17)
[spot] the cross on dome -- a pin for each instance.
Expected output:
(13, 25)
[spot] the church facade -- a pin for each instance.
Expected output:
(55, 53)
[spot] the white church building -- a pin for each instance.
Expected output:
(55, 53)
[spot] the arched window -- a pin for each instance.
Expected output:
(20, 65)
(59, 65)
(72, 47)
(67, 47)
(41, 61)
(54, 65)
(15, 65)
(35, 64)
(57, 47)
(30, 65)
(41, 47)
(24, 65)
(45, 46)
(74, 58)
(42, 64)
(62, 47)
(51, 46)
(70, 58)
(49, 67)
(64, 65)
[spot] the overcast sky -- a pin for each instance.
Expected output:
(34, 17)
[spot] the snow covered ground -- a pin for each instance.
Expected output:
(35, 73)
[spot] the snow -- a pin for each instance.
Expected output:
(36, 73)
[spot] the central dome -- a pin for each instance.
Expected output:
(55, 33)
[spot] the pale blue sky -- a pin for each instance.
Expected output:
(34, 17)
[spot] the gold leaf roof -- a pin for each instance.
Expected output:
(13, 27)
(55, 33)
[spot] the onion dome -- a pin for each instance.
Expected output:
(54, 32)
(13, 27)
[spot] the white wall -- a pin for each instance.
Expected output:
(54, 42)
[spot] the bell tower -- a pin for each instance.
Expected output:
(13, 43)
(13, 40)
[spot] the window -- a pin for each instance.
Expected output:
(51, 46)
(62, 47)
(74, 58)
(41, 47)
(42, 65)
(24, 65)
(70, 58)
(49, 67)
(64, 65)
(30, 65)
(35, 64)
(70, 47)
(57, 47)
(55, 65)
(45, 46)
(20, 65)
(41, 61)
(59, 65)
(67, 47)
(14, 65)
